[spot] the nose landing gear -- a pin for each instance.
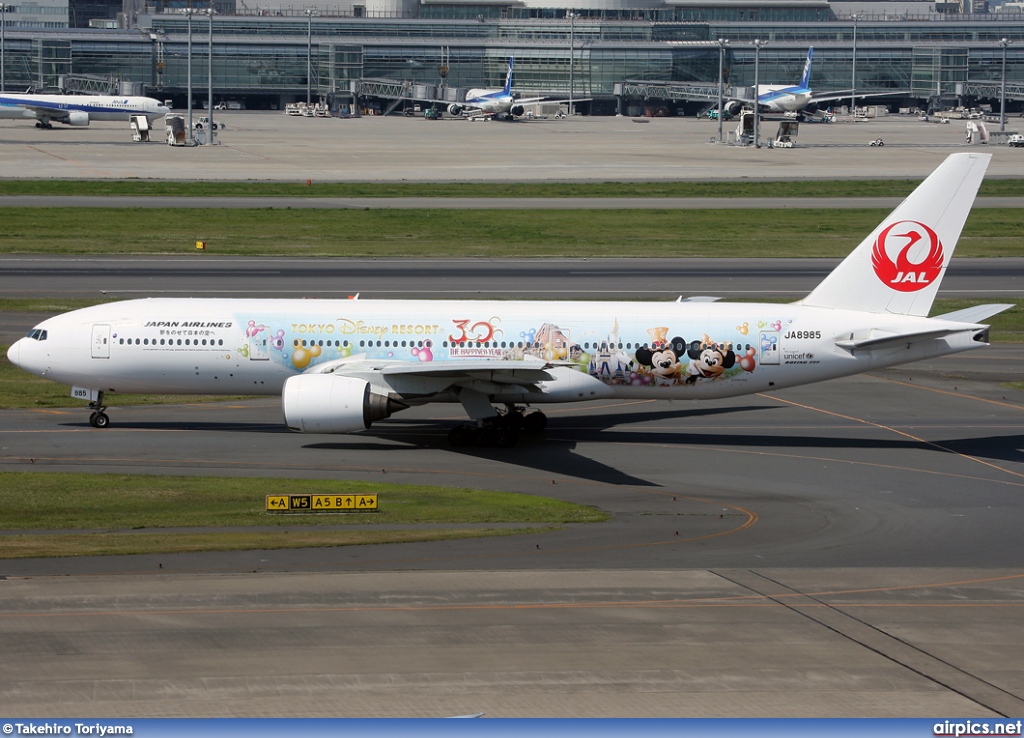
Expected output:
(99, 417)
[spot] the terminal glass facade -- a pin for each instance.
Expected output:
(262, 60)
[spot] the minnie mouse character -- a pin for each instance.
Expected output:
(708, 360)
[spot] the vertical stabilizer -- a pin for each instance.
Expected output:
(805, 81)
(508, 77)
(898, 268)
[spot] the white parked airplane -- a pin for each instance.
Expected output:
(77, 110)
(495, 103)
(798, 98)
(340, 365)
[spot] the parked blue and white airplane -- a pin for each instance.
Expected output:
(341, 365)
(798, 98)
(77, 110)
(482, 103)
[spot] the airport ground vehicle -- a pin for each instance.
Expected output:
(1016, 140)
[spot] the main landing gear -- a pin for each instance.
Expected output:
(99, 417)
(44, 124)
(501, 431)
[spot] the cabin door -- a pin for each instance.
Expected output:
(101, 342)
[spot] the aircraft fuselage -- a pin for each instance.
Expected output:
(679, 350)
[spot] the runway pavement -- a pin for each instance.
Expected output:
(97, 277)
(479, 203)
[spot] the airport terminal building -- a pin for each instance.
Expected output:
(631, 57)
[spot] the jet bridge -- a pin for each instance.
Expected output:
(398, 92)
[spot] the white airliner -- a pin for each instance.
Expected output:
(77, 110)
(798, 98)
(495, 103)
(340, 365)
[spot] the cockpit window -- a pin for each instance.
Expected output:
(37, 334)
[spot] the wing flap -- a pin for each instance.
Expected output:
(498, 371)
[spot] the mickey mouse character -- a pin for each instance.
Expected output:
(708, 360)
(663, 361)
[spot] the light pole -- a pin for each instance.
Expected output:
(572, 56)
(1004, 42)
(310, 12)
(189, 12)
(209, 76)
(853, 68)
(722, 44)
(758, 45)
(3, 34)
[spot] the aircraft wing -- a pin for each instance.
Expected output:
(845, 95)
(45, 111)
(499, 371)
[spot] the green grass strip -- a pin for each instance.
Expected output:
(477, 233)
(91, 507)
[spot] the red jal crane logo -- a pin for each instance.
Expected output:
(904, 275)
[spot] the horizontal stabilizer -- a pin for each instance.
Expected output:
(975, 314)
(893, 340)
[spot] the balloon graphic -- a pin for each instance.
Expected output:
(425, 353)
(747, 361)
(301, 356)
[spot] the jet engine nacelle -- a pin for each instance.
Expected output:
(454, 110)
(734, 108)
(326, 403)
(77, 118)
(516, 110)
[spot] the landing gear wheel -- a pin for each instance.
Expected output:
(458, 436)
(535, 422)
(504, 437)
(99, 420)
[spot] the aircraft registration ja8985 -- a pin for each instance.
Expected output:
(341, 365)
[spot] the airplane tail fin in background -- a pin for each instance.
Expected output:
(805, 81)
(508, 77)
(898, 268)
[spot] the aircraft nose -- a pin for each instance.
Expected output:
(13, 351)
